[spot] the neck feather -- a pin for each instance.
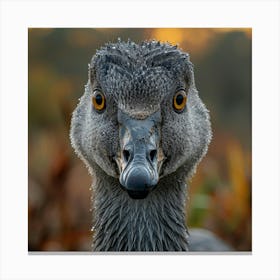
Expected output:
(156, 223)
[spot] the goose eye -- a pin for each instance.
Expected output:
(179, 101)
(98, 101)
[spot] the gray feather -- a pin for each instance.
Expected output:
(140, 78)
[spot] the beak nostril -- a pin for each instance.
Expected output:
(153, 154)
(126, 155)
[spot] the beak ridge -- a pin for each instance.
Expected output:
(140, 160)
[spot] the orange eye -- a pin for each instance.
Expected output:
(98, 101)
(179, 101)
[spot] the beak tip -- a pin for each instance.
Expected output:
(138, 181)
(138, 194)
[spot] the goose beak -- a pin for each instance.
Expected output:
(141, 157)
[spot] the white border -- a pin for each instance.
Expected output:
(17, 16)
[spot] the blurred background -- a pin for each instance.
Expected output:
(59, 196)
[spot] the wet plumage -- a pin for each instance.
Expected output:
(139, 147)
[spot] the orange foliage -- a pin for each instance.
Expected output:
(171, 35)
(195, 40)
(220, 194)
(237, 175)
